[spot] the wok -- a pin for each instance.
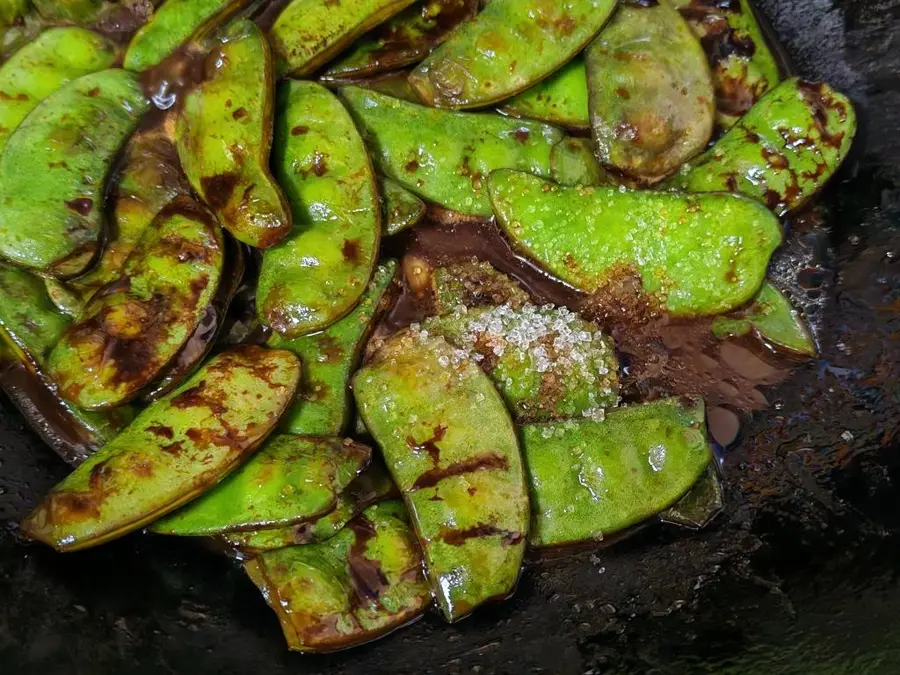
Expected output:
(798, 575)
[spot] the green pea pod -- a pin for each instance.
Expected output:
(573, 162)
(55, 224)
(443, 156)
(651, 95)
(173, 24)
(310, 33)
(743, 66)
(400, 208)
(395, 85)
(176, 448)
(782, 151)
(27, 315)
(323, 404)
(510, 46)
(289, 480)
(370, 487)
(224, 134)
(66, 299)
(12, 10)
(353, 588)
(405, 39)
(695, 254)
(773, 319)
(471, 283)
(459, 470)
(546, 362)
(320, 272)
(560, 99)
(77, 11)
(133, 327)
(56, 57)
(699, 506)
(590, 479)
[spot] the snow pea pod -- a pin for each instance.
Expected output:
(55, 225)
(444, 156)
(357, 586)
(27, 315)
(782, 151)
(651, 96)
(67, 300)
(699, 506)
(320, 272)
(224, 134)
(401, 209)
(471, 283)
(77, 11)
(696, 254)
(176, 448)
(133, 327)
(573, 162)
(309, 33)
(510, 46)
(590, 479)
(56, 57)
(460, 474)
(560, 99)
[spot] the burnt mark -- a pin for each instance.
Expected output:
(461, 537)
(329, 349)
(820, 102)
(429, 446)
(489, 462)
(366, 575)
(161, 431)
(73, 507)
(218, 190)
(239, 114)
(198, 397)
(174, 449)
(351, 250)
(318, 168)
(522, 135)
(300, 130)
(82, 206)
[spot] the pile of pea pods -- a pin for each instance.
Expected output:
(653, 138)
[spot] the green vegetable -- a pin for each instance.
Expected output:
(573, 163)
(560, 99)
(320, 272)
(511, 45)
(27, 316)
(55, 224)
(351, 589)
(175, 449)
(651, 95)
(78, 11)
(470, 283)
(395, 85)
(224, 134)
(782, 151)
(590, 479)
(12, 10)
(696, 254)
(699, 506)
(66, 299)
(309, 33)
(132, 328)
(459, 470)
(443, 156)
(323, 403)
(400, 209)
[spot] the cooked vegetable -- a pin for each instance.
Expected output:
(590, 479)
(471, 283)
(28, 318)
(560, 99)
(66, 299)
(395, 85)
(78, 11)
(175, 449)
(572, 162)
(460, 474)
(12, 10)
(699, 506)
(400, 209)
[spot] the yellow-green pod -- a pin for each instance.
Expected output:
(560, 99)
(400, 208)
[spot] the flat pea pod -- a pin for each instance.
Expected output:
(560, 99)
(444, 156)
(224, 135)
(133, 327)
(470, 283)
(66, 299)
(573, 163)
(510, 46)
(590, 479)
(651, 95)
(176, 448)
(309, 33)
(323, 404)
(401, 209)
(57, 56)
(395, 85)
(403, 40)
(173, 24)
(782, 151)
(698, 507)
(460, 473)
(55, 225)
(78, 11)
(27, 315)
(696, 255)
(290, 479)
(320, 272)
(349, 590)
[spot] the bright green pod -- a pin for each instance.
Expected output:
(309, 33)
(510, 46)
(695, 254)
(470, 283)
(76, 11)
(133, 327)
(546, 362)
(444, 156)
(573, 162)
(773, 319)
(329, 358)
(590, 479)
(56, 57)
(289, 480)
(405, 39)
(400, 208)
(782, 151)
(224, 134)
(352, 589)
(176, 449)
(560, 99)
(320, 272)
(451, 448)
(651, 95)
(699, 506)
(55, 224)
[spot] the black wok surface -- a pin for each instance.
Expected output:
(799, 575)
